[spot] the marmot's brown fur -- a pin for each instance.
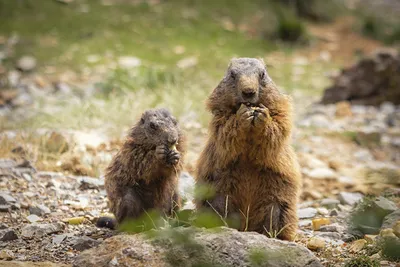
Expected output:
(143, 175)
(248, 159)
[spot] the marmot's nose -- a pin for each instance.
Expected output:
(248, 94)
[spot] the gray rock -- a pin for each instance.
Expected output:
(305, 223)
(33, 218)
(387, 107)
(346, 198)
(193, 246)
(330, 203)
(26, 63)
(334, 227)
(40, 230)
(39, 210)
(7, 235)
(306, 213)
(390, 220)
(58, 239)
(6, 199)
(87, 182)
(385, 205)
(369, 217)
(334, 212)
(83, 243)
(330, 235)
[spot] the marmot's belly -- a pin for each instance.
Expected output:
(253, 188)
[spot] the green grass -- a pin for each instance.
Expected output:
(145, 31)
(64, 37)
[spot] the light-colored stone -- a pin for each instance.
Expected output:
(347, 198)
(33, 218)
(39, 210)
(221, 246)
(26, 63)
(334, 227)
(316, 243)
(323, 211)
(330, 203)
(388, 232)
(306, 213)
(358, 245)
(40, 230)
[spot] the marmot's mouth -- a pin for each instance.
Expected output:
(248, 104)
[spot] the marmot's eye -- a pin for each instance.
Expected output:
(262, 75)
(233, 75)
(141, 120)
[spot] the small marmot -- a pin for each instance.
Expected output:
(144, 174)
(248, 160)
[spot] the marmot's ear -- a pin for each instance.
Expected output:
(231, 62)
(261, 60)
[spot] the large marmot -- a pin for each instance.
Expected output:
(143, 175)
(248, 161)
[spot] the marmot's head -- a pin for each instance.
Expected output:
(246, 82)
(156, 127)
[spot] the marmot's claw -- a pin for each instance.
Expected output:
(173, 157)
(161, 152)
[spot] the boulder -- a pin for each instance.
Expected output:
(196, 247)
(368, 216)
(39, 230)
(391, 219)
(346, 198)
(371, 81)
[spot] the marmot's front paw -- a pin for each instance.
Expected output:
(161, 152)
(261, 116)
(245, 115)
(173, 157)
(169, 156)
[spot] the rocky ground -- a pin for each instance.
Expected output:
(345, 152)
